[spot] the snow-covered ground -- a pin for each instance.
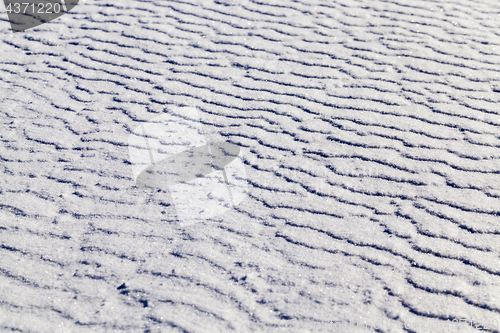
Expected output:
(370, 135)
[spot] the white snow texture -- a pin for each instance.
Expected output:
(369, 133)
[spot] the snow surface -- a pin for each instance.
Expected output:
(371, 135)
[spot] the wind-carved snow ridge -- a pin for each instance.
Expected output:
(371, 133)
